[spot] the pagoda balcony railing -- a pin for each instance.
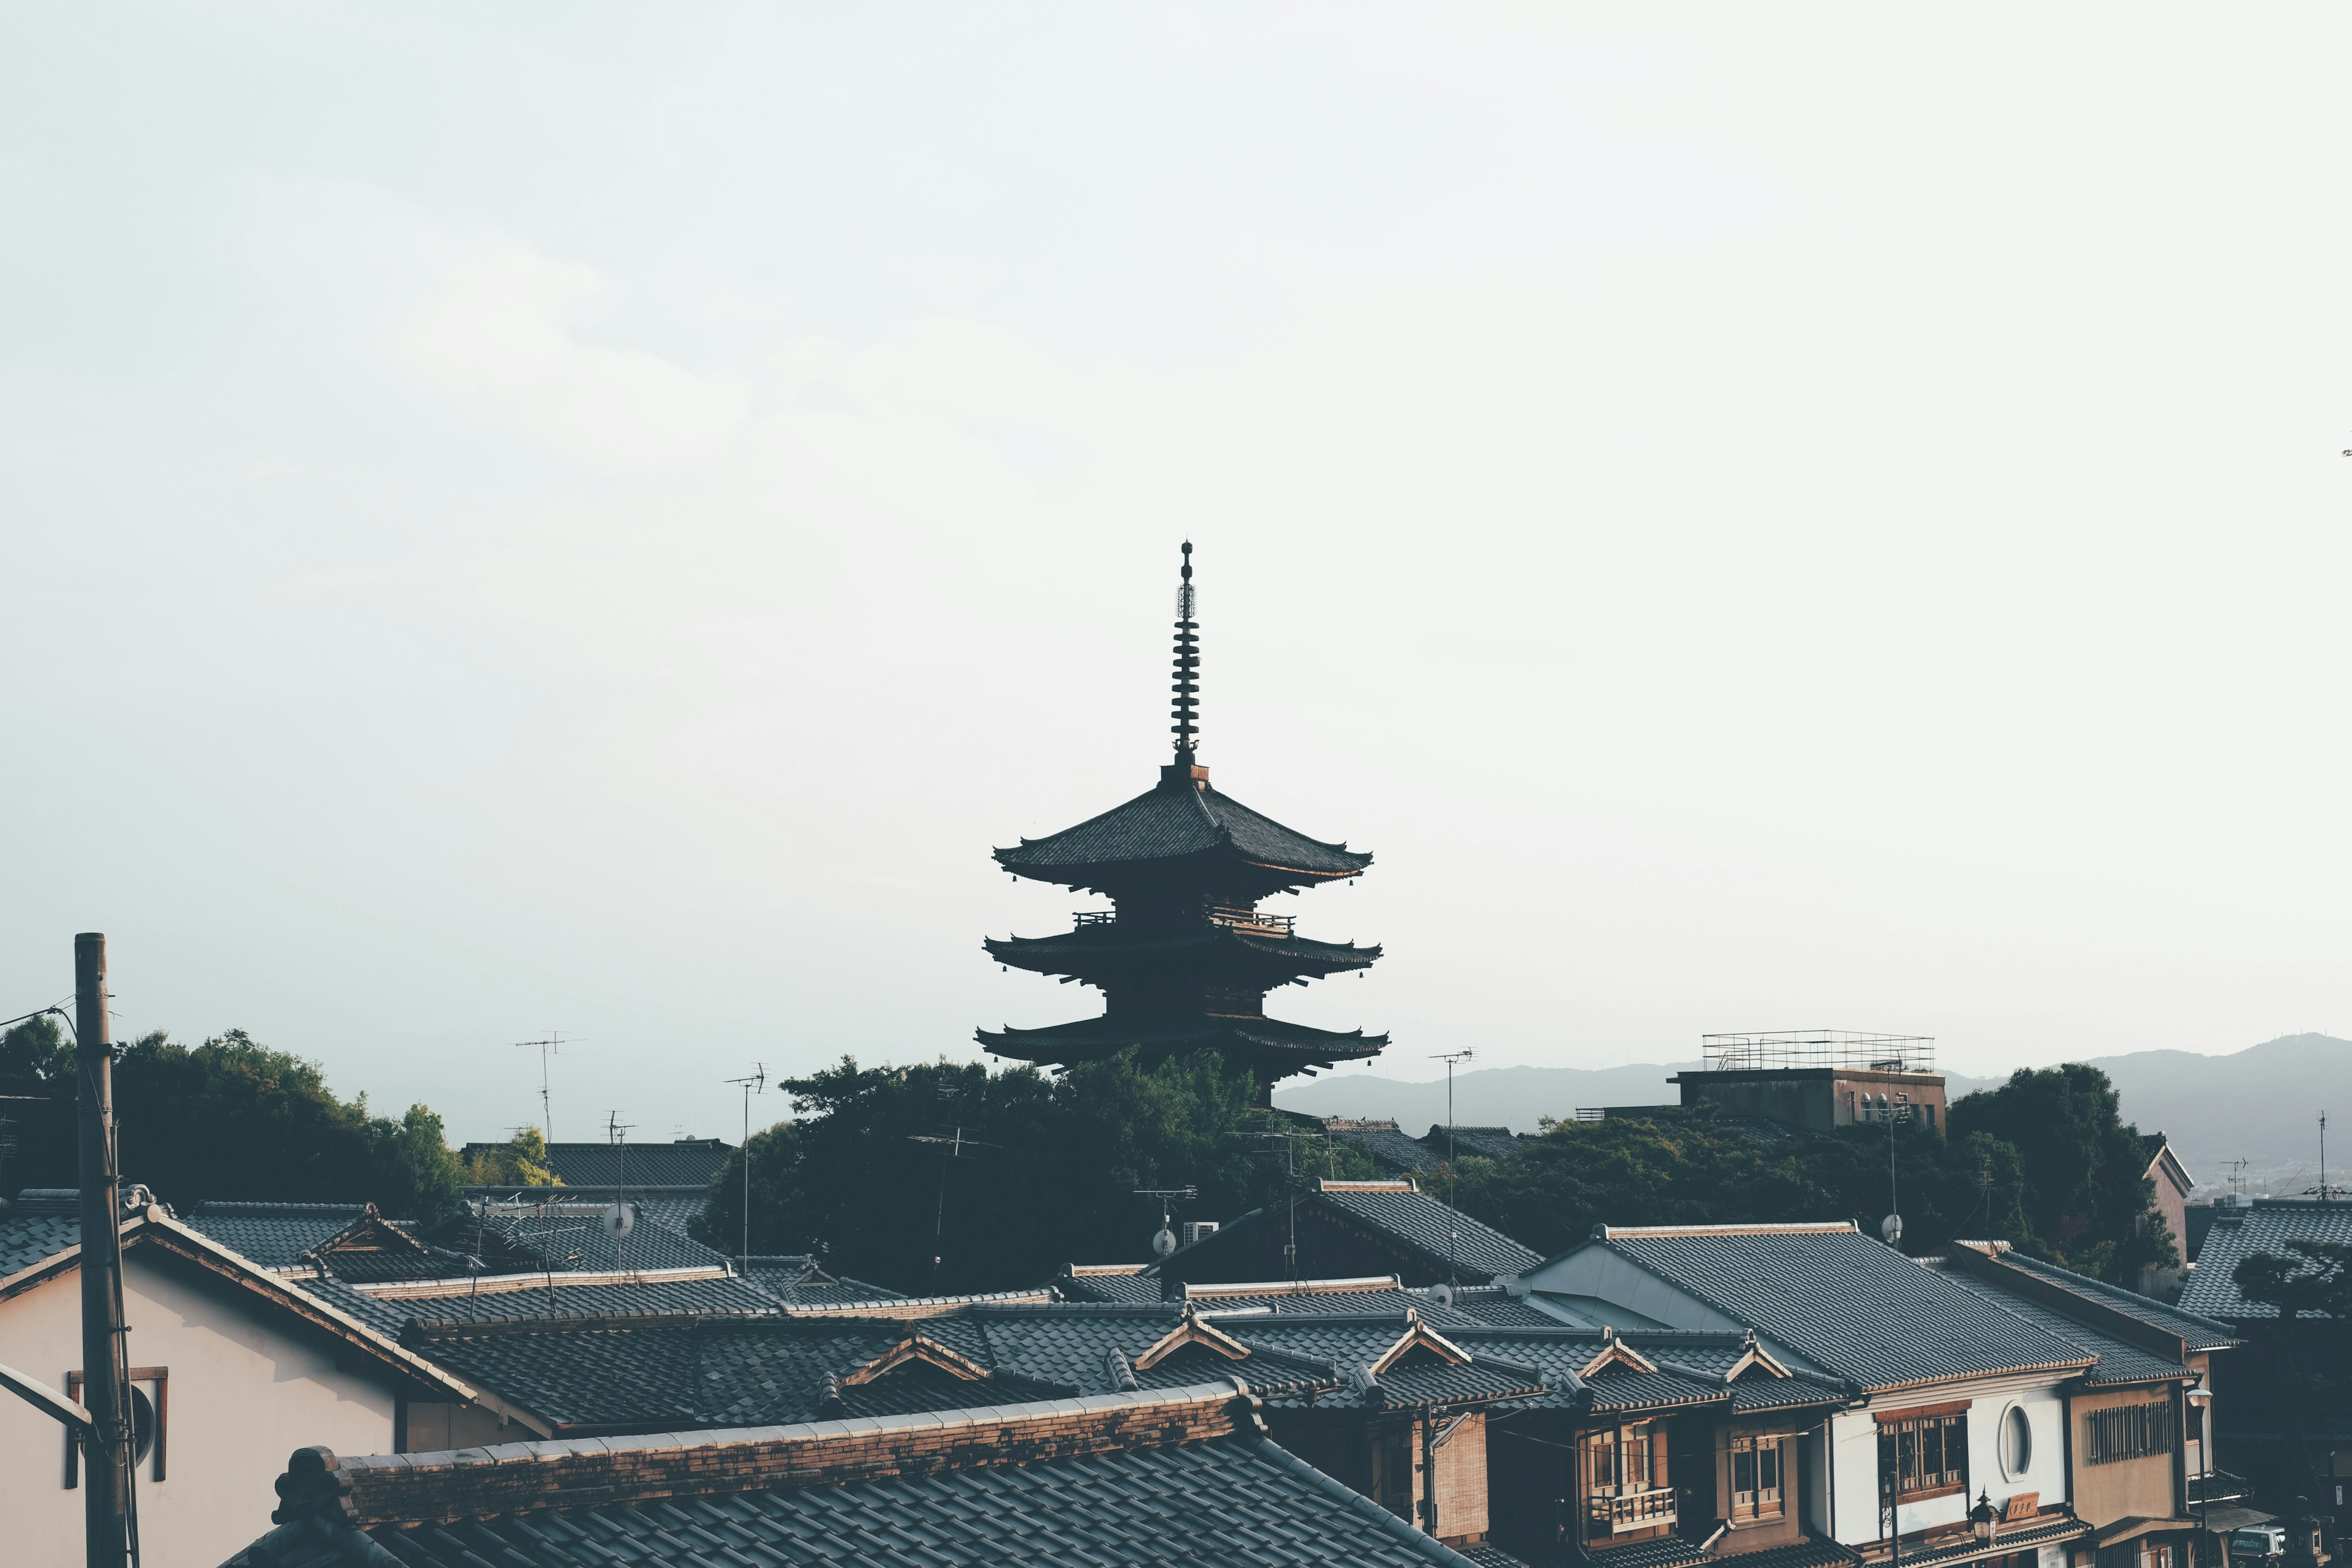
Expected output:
(1228, 917)
(1632, 1510)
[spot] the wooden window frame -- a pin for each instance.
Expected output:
(161, 1377)
(1759, 1506)
(2125, 1432)
(1951, 1422)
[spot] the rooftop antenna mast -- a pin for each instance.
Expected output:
(1452, 1175)
(754, 1082)
(1186, 708)
(620, 1222)
(951, 1148)
(1164, 1242)
(552, 1046)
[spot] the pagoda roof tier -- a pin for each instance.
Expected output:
(1180, 820)
(1110, 947)
(1290, 1048)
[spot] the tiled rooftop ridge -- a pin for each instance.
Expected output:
(1396, 1184)
(1792, 1227)
(593, 1472)
(537, 1280)
(1295, 1287)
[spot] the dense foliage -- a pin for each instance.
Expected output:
(1047, 1176)
(229, 1119)
(2043, 1162)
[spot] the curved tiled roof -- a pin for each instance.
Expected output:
(2118, 1361)
(1089, 944)
(2199, 1333)
(1090, 1038)
(1437, 1230)
(2238, 1234)
(1171, 822)
(1845, 1301)
(276, 1236)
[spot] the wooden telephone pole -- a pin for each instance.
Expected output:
(106, 1479)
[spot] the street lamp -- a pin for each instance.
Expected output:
(1983, 1518)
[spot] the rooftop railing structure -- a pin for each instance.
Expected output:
(1819, 1049)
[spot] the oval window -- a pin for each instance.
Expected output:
(2016, 1442)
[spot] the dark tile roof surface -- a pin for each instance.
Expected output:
(1085, 948)
(1388, 1147)
(1184, 1031)
(1810, 1552)
(1438, 1232)
(1101, 1286)
(721, 1295)
(276, 1236)
(2238, 1234)
(551, 1235)
(1664, 1552)
(690, 1162)
(1846, 1303)
(2118, 1361)
(801, 1280)
(1328, 1303)
(1170, 822)
(26, 1240)
(2200, 1333)
(1493, 1304)
(1227, 1502)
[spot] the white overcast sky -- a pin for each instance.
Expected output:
(598, 518)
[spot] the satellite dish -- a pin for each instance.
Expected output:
(619, 1220)
(1165, 1242)
(1441, 1293)
(1891, 1227)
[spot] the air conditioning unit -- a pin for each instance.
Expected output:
(1194, 1229)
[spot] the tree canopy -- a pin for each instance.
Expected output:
(1046, 1175)
(229, 1119)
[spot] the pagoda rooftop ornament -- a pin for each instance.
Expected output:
(1185, 959)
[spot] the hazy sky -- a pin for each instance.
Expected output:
(589, 517)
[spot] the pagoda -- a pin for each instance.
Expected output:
(1184, 958)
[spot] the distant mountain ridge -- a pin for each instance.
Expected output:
(2260, 1104)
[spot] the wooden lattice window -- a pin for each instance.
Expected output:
(1924, 1455)
(2128, 1432)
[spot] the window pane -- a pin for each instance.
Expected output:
(1906, 1443)
(1768, 1466)
(1931, 1450)
(1743, 1472)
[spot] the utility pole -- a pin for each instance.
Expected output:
(106, 1479)
(1453, 1171)
(754, 1082)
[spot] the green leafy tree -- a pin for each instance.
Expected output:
(1047, 1176)
(34, 1053)
(2088, 1199)
(419, 1174)
(520, 1162)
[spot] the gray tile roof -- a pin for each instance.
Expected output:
(576, 1240)
(1184, 1031)
(2238, 1234)
(2199, 1333)
(1224, 1502)
(26, 1240)
(801, 1280)
(723, 1295)
(1089, 1284)
(1171, 822)
(276, 1236)
(1386, 1145)
(1493, 1304)
(2118, 1360)
(1665, 1552)
(1812, 1552)
(1845, 1301)
(1436, 1231)
(690, 1162)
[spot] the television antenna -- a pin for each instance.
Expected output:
(1164, 1241)
(619, 1220)
(951, 1148)
(1290, 1138)
(752, 1083)
(1452, 1175)
(2235, 1181)
(552, 1046)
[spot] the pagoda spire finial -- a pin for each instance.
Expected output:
(1186, 708)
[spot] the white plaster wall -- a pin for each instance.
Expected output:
(243, 1396)
(1854, 1435)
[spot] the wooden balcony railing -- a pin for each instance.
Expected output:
(1633, 1509)
(1230, 917)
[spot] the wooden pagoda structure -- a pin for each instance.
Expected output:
(1185, 958)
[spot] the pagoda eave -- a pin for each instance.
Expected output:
(1264, 1042)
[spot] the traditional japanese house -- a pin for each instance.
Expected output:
(1184, 957)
